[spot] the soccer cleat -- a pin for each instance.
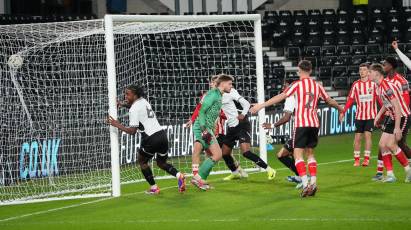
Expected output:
(294, 179)
(365, 163)
(299, 186)
(378, 177)
(305, 191)
(408, 176)
(312, 190)
(182, 183)
(153, 191)
(389, 179)
(271, 173)
(243, 173)
(200, 184)
(357, 163)
(232, 176)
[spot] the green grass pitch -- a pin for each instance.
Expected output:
(347, 199)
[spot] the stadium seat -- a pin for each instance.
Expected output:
(343, 49)
(324, 72)
(358, 59)
(339, 71)
(312, 51)
(358, 49)
(328, 50)
(293, 52)
(374, 49)
(340, 83)
(328, 61)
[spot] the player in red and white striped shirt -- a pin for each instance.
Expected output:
(219, 129)
(363, 94)
(307, 93)
(390, 65)
(393, 127)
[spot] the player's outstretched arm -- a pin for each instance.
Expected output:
(274, 100)
(402, 56)
(284, 119)
(331, 102)
(397, 128)
(115, 123)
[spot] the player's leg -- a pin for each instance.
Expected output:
(367, 148)
(312, 163)
(245, 148)
(387, 156)
(359, 130)
(195, 158)
(285, 156)
(170, 169)
(403, 143)
(231, 164)
(357, 148)
(399, 154)
(226, 145)
(380, 167)
(244, 138)
(209, 163)
(196, 180)
(299, 144)
(143, 159)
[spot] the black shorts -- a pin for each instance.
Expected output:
(289, 146)
(155, 144)
(362, 126)
(241, 133)
(305, 137)
(220, 139)
(389, 125)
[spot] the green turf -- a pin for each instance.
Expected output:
(347, 199)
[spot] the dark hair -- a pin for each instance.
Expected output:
(305, 65)
(365, 64)
(137, 90)
(392, 61)
(377, 67)
(223, 78)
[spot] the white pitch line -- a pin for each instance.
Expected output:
(128, 194)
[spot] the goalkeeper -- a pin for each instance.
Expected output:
(203, 129)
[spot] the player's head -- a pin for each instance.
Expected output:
(224, 82)
(390, 64)
(133, 93)
(213, 81)
(376, 72)
(304, 68)
(364, 70)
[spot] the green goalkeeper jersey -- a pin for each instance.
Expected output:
(210, 109)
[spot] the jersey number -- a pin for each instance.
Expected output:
(310, 100)
(150, 113)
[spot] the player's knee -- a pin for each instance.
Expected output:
(161, 164)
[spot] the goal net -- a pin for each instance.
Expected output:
(59, 82)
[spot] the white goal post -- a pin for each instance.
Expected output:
(60, 79)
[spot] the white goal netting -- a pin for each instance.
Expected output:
(53, 80)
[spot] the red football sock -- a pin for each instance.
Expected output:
(380, 166)
(312, 167)
(301, 169)
(387, 158)
(401, 157)
(195, 169)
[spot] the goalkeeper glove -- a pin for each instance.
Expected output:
(206, 136)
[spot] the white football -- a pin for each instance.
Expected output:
(15, 61)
